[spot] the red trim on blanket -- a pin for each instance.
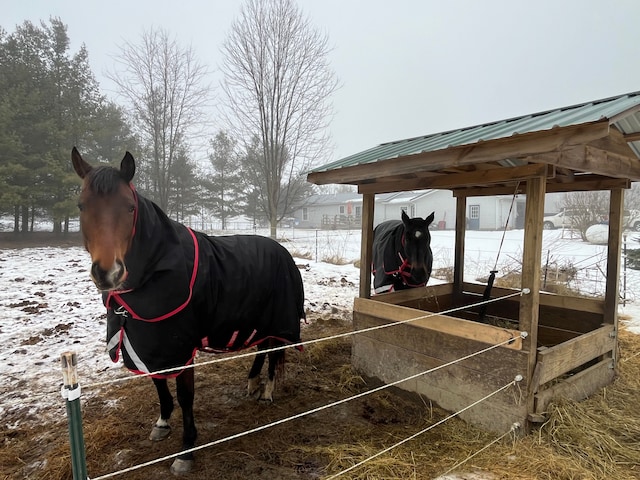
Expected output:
(207, 349)
(116, 294)
(232, 339)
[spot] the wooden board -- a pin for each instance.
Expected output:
(579, 386)
(555, 361)
(454, 326)
(452, 388)
(402, 296)
(579, 304)
(499, 362)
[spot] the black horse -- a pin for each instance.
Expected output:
(170, 291)
(402, 255)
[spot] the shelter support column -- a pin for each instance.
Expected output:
(368, 206)
(458, 256)
(616, 209)
(531, 262)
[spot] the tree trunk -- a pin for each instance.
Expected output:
(274, 227)
(16, 219)
(25, 219)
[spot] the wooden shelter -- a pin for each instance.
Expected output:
(571, 343)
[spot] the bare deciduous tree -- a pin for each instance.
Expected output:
(277, 84)
(167, 92)
(586, 209)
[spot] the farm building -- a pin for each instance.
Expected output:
(344, 210)
(570, 347)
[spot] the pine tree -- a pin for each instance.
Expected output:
(49, 102)
(224, 185)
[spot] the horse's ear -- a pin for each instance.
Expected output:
(430, 218)
(79, 165)
(127, 167)
(405, 218)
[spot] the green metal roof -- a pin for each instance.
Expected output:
(622, 110)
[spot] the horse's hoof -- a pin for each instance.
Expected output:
(254, 387)
(265, 400)
(256, 394)
(181, 467)
(159, 433)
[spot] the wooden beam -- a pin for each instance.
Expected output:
(615, 142)
(611, 164)
(632, 137)
(480, 177)
(614, 249)
(576, 304)
(590, 159)
(411, 294)
(458, 255)
(479, 332)
(366, 244)
(489, 191)
(515, 146)
(589, 182)
(580, 183)
(531, 260)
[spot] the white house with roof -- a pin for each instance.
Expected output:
(344, 210)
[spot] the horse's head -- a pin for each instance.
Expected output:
(107, 207)
(417, 242)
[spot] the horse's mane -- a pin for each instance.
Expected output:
(104, 180)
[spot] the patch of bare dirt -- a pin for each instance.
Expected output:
(116, 436)
(118, 419)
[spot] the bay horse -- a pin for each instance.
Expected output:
(402, 256)
(170, 292)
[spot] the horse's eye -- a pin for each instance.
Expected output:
(132, 208)
(80, 207)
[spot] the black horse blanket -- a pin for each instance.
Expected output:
(186, 291)
(390, 267)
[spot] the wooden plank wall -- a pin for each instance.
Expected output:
(397, 352)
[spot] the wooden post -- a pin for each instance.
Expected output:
(71, 392)
(612, 290)
(531, 263)
(368, 206)
(458, 256)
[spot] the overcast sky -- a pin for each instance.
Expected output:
(407, 68)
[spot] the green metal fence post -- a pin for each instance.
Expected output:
(71, 393)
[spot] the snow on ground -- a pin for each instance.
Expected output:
(48, 304)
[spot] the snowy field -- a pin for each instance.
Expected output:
(49, 305)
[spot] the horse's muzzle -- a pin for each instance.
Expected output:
(111, 279)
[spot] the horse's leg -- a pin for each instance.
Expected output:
(161, 429)
(276, 364)
(185, 391)
(253, 385)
